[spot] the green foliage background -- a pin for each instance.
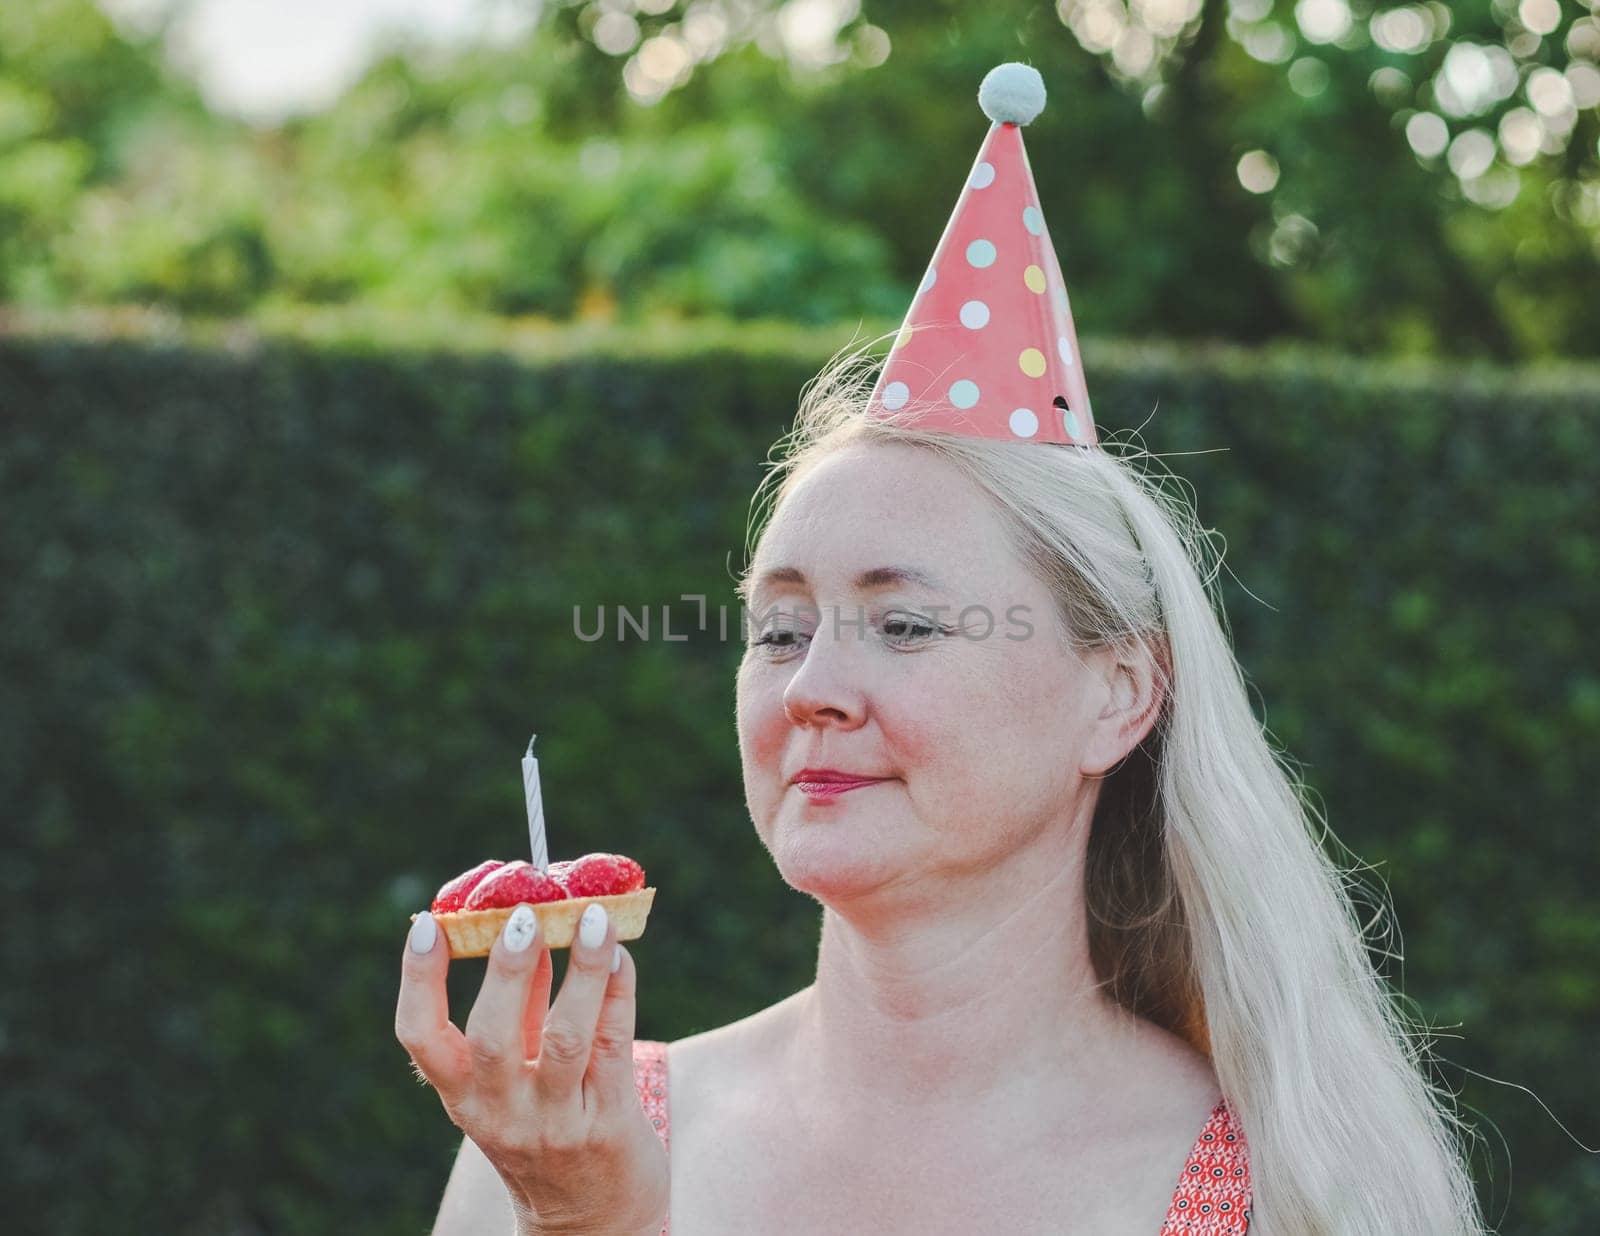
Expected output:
(279, 613)
(525, 179)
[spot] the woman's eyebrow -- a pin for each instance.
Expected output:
(868, 580)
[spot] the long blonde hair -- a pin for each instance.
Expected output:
(1214, 910)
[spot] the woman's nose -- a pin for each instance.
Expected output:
(825, 688)
(810, 708)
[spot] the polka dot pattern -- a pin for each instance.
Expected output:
(1024, 423)
(964, 393)
(1213, 1196)
(994, 352)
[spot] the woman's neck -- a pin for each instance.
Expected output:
(929, 1009)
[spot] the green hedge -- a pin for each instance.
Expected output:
(280, 609)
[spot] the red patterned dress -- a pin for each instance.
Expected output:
(1213, 1193)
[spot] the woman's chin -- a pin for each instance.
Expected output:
(829, 864)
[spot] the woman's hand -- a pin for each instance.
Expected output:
(545, 1091)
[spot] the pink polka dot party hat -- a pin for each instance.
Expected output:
(988, 348)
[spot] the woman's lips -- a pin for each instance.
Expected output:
(832, 789)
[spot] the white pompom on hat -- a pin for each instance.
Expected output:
(1011, 93)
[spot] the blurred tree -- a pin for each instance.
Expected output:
(66, 80)
(115, 183)
(1415, 179)
(467, 190)
(1421, 177)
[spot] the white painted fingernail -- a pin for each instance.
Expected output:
(520, 928)
(616, 959)
(592, 926)
(424, 931)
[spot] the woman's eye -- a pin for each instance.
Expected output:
(908, 628)
(901, 630)
(783, 638)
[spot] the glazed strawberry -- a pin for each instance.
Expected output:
(454, 894)
(514, 882)
(558, 871)
(602, 875)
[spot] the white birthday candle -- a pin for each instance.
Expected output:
(530, 790)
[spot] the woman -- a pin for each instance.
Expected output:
(1084, 967)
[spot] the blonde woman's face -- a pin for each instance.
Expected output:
(976, 725)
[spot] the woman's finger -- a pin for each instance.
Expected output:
(422, 1016)
(533, 1013)
(496, 1025)
(569, 1028)
(611, 1062)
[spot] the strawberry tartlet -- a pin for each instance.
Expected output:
(473, 907)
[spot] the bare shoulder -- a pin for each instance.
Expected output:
(1112, 1157)
(724, 1065)
(727, 1127)
(1185, 1068)
(1164, 1085)
(1171, 1088)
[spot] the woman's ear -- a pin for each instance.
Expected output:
(1134, 678)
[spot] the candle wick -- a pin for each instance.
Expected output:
(530, 746)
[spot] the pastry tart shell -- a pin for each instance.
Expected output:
(472, 933)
